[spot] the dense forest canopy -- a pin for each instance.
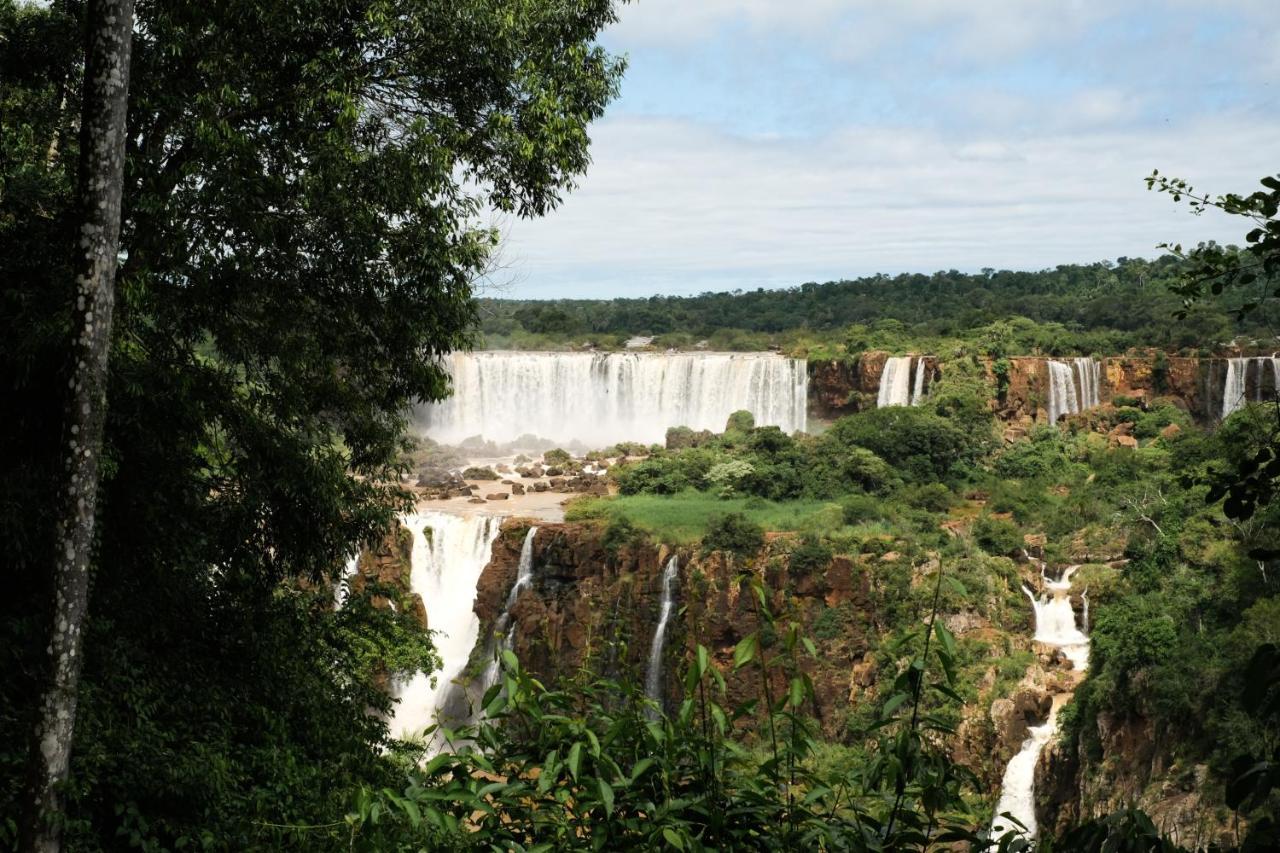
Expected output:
(1103, 307)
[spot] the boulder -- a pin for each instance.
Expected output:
(497, 496)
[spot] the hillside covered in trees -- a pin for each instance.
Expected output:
(1076, 308)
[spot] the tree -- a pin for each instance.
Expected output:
(305, 187)
(109, 38)
(1254, 272)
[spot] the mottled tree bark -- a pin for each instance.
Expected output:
(109, 40)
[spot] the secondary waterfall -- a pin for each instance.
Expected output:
(449, 553)
(902, 381)
(1235, 389)
(1073, 387)
(653, 677)
(603, 398)
(1056, 626)
(503, 635)
(1090, 375)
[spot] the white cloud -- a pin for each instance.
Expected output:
(677, 207)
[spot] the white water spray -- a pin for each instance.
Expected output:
(917, 385)
(449, 553)
(653, 677)
(602, 398)
(1235, 387)
(1055, 626)
(895, 382)
(1073, 387)
(503, 635)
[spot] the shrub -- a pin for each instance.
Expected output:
(734, 533)
(917, 442)
(860, 508)
(725, 476)
(620, 533)
(934, 497)
(996, 536)
(556, 456)
(477, 472)
(740, 421)
(811, 555)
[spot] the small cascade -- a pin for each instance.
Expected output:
(503, 635)
(449, 553)
(342, 588)
(1055, 626)
(917, 385)
(1235, 388)
(653, 678)
(1073, 387)
(1062, 391)
(895, 382)
(1089, 372)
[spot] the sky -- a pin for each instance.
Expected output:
(767, 143)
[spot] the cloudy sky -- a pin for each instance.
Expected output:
(765, 143)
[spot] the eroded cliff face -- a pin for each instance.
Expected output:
(587, 607)
(389, 565)
(838, 388)
(1133, 766)
(841, 387)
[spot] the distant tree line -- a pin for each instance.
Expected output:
(1120, 304)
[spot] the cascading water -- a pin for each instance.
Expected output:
(653, 677)
(895, 382)
(1062, 391)
(917, 385)
(449, 553)
(1235, 388)
(503, 632)
(603, 398)
(1055, 626)
(342, 588)
(1089, 373)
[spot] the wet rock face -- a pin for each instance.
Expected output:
(588, 607)
(388, 565)
(1131, 766)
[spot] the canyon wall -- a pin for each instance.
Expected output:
(586, 606)
(841, 387)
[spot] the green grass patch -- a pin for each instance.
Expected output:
(683, 518)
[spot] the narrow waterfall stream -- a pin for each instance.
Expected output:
(1235, 386)
(895, 382)
(503, 635)
(1073, 387)
(1055, 626)
(653, 677)
(917, 384)
(449, 553)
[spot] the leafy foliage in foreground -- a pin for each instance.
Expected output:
(592, 768)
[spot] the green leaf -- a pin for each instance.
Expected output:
(745, 651)
(606, 796)
(672, 838)
(575, 759)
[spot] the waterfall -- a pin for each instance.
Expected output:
(917, 386)
(895, 382)
(1090, 375)
(653, 678)
(1056, 626)
(503, 634)
(449, 553)
(342, 588)
(1073, 387)
(602, 398)
(1235, 389)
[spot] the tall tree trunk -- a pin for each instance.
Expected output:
(108, 44)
